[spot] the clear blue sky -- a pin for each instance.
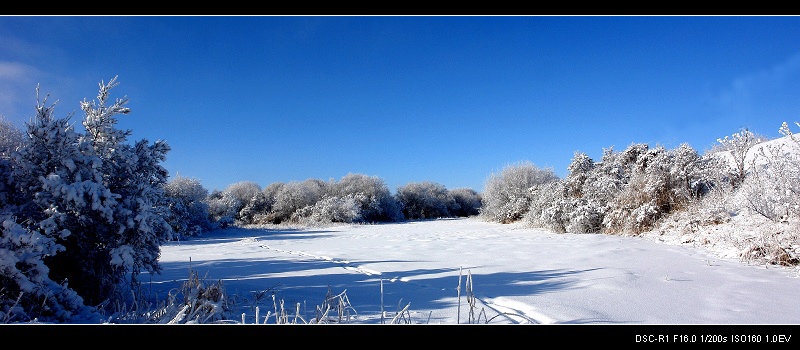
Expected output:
(407, 99)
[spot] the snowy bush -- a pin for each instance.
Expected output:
(259, 211)
(189, 214)
(11, 138)
(256, 207)
(425, 200)
(468, 202)
(374, 198)
(735, 148)
(223, 207)
(584, 216)
(773, 187)
(579, 169)
(244, 192)
(626, 191)
(331, 209)
(549, 207)
(293, 196)
(507, 196)
(93, 195)
(586, 193)
(239, 201)
(354, 198)
(637, 204)
(658, 182)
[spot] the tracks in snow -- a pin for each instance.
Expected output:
(344, 263)
(510, 310)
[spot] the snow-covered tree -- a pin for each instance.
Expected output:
(27, 291)
(735, 148)
(374, 198)
(11, 139)
(259, 211)
(239, 201)
(354, 198)
(656, 182)
(468, 202)
(772, 188)
(188, 209)
(295, 195)
(223, 208)
(425, 200)
(331, 209)
(98, 197)
(549, 206)
(507, 196)
(244, 192)
(579, 171)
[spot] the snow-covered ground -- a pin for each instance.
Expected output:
(517, 274)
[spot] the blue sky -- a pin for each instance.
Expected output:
(409, 98)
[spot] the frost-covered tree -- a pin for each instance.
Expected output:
(625, 192)
(331, 209)
(640, 201)
(258, 205)
(223, 208)
(549, 206)
(295, 195)
(259, 211)
(579, 171)
(772, 188)
(425, 200)
(244, 192)
(354, 198)
(735, 149)
(375, 201)
(188, 209)
(11, 139)
(133, 173)
(239, 201)
(468, 202)
(95, 195)
(507, 195)
(654, 182)
(27, 291)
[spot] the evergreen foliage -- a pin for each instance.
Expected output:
(90, 208)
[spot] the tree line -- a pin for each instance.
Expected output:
(84, 213)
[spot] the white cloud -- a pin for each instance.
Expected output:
(743, 89)
(17, 88)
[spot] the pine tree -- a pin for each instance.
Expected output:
(95, 195)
